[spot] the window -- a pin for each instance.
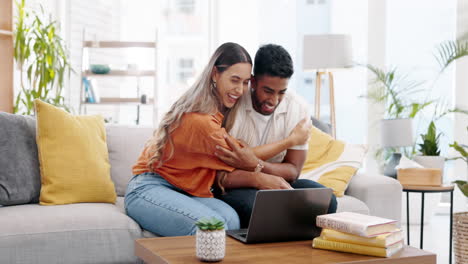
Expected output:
(185, 69)
(186, 6)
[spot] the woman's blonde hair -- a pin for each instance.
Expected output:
(202, 97)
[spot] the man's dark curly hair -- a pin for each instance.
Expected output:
(273, 60)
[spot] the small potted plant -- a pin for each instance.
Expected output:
(429, 149)
(210, 240)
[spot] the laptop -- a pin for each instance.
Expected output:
(285, 215)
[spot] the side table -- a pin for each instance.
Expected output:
(428, 189)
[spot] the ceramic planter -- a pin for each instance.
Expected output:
(210, 245)
(436, 162)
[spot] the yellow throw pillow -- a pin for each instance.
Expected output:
(331, 162)
(73, 157)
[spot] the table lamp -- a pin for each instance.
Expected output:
(395, 133)
(323, 53)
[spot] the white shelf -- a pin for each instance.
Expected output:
(115, 73)
(6, 32)
(120, 100)
(118, 44)
(137, 73)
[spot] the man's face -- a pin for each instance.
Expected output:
(267, 93)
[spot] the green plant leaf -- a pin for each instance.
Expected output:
(463, 186)
(430, 141)
(209, 224)
(449, 51)
(460, 149)
(41, 53)
(392, 89)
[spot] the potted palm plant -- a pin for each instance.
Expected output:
(394, 90)
(210, 240)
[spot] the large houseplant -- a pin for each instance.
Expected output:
(41, 58)
(394, 91)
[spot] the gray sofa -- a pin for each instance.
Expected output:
(103, 233)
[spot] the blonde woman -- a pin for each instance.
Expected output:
(174, 175)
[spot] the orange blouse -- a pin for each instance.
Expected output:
(193, 165)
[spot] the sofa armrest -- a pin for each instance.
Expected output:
(380, 193)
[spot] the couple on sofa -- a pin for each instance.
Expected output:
(223, 139)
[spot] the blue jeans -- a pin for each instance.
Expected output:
(166, 210)
(242, 199)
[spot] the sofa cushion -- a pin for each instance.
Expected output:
(331, 162)
(73, 157)
(348, 203)
(324, 127)
(19, 173)
(75, 233)
(125, 144)
(120, 203)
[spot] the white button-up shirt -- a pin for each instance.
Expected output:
(285, 117)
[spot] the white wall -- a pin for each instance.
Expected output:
(460, 96)
(413, 54)
(312, 18)
(237, 21)
(350, 17)
(376, 55)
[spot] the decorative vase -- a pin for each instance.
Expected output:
(437, 162)
(100, 68)
(389, 169)
(211, 245)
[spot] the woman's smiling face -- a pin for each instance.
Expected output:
(232, 83)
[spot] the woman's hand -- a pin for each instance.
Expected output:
(241, 157)
(300, 133)
(270, 182)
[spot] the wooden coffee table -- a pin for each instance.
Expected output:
(182, 250)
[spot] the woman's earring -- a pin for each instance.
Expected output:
(214, 85)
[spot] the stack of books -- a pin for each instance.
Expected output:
(358, 233)
(91, 90)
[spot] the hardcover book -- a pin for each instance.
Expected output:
(355, 248)
(357, 224)
(382, 241)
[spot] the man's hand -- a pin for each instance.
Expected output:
(241, 156)
(270, 182)
(301, 132)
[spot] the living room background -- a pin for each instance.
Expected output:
(188, 31)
